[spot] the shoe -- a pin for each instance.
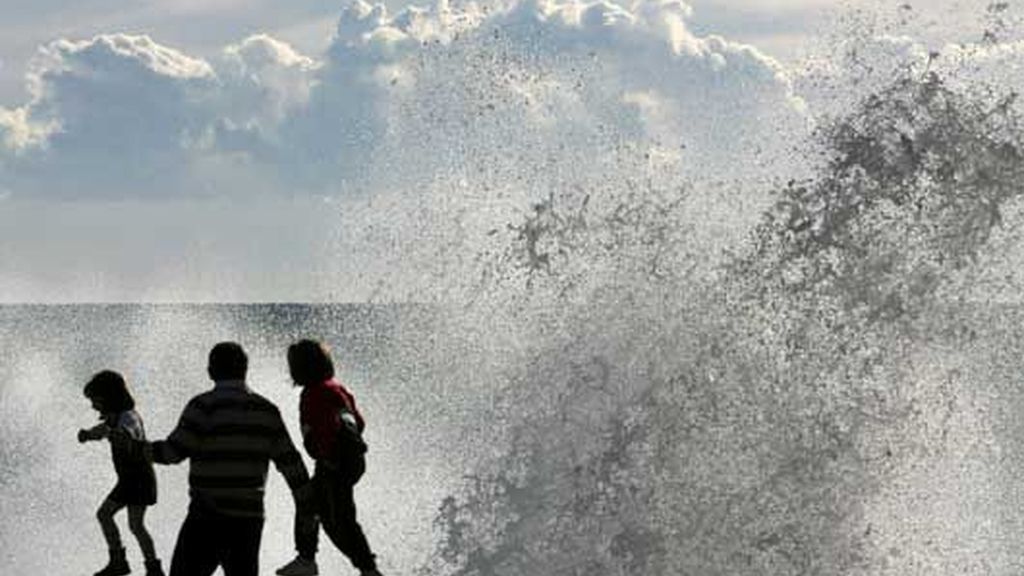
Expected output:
(118, 565)
(298, 567)
(153, 568)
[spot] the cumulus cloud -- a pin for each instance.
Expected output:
(427, 128)
(263, 81)
(541, 79)
(17, 133)
(414, 93)
(108, 115)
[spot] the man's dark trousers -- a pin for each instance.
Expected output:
(208, 540)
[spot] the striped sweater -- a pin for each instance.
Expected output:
(230, 434)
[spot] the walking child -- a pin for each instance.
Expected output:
(136, 482)
(332, 435)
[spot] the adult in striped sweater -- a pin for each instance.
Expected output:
(229, 434)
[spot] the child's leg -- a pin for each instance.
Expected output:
(338, 517)
(136, 515)
(106, 517)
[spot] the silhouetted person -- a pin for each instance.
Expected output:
(331, 431)
(136, 482)
(230, 435)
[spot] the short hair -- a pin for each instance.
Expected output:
(309, 362)
(228, 361)
(111, 390)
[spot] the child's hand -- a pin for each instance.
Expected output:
(98, 433)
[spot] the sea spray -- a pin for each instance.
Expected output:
(675, 414)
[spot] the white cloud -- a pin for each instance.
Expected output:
(456, 112)
(539, 79)
(461, 113)
(117, 111)
(264, 79)
(409, 92)
(17, 133)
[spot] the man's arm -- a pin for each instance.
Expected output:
(181, 443)
(287, 460)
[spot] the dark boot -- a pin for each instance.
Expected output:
(153, 568)
(118, 565)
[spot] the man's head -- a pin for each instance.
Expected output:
(227, 362)
(309, 362)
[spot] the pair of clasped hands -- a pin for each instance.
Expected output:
(121, 441)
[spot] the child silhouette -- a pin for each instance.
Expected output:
(136, 482)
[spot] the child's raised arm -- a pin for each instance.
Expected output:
(97, 432)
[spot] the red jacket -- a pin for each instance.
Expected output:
(320, 408)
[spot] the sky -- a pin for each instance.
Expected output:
(229, 150)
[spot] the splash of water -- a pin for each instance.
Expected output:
(771, 411)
